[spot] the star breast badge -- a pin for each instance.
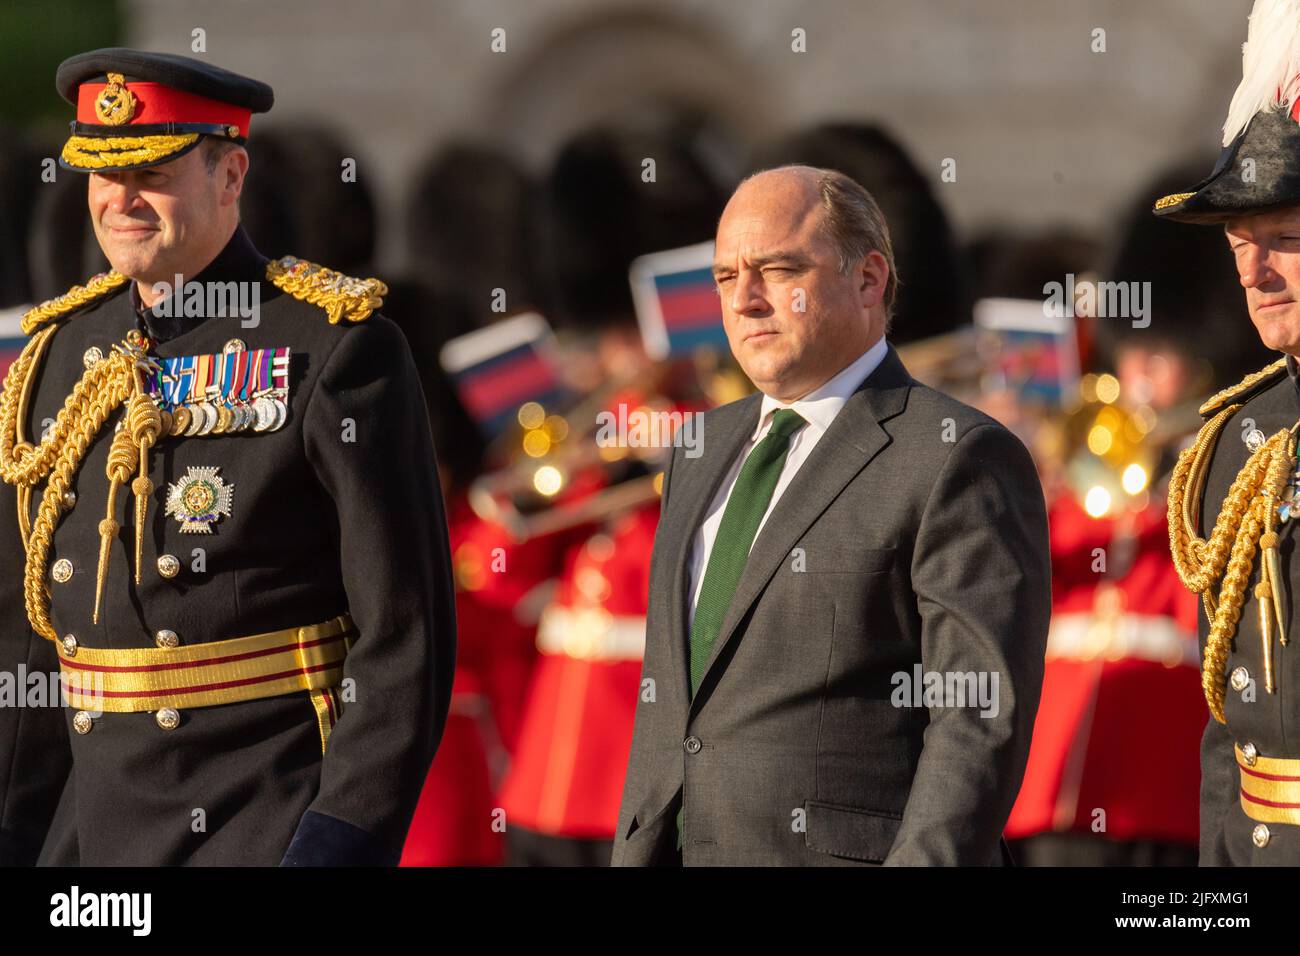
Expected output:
(199, 499)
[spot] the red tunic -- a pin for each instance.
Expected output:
(567, 776)
(1121, 715)
(454, 822)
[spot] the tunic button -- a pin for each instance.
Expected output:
(1260, 835)
(235, 345)
(69, 500)
(62, 570)
(70, 645)
(169, 565)
(692, 745)
(168, 718)
(1249, 753)
(1240, 678)
(166, 638)
(92, 357)
(81, 722)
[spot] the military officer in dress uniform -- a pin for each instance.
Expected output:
(1232, 497)
(223, 524)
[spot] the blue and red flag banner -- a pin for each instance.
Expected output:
(677, 303)
(12, 338)
(499, 368)
(1031, 353)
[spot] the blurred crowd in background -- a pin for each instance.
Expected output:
(552, 578)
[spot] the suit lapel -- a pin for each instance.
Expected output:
(854, 438)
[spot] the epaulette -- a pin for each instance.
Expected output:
(75, 298)
(1246, 388)
(342, 297)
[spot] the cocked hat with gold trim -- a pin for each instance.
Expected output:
(137, 109)
(1259, 168)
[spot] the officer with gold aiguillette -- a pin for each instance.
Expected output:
(220, 520)
(1233, 503)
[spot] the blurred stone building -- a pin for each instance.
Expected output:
(1043, 129)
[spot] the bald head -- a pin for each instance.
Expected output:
(804, 270)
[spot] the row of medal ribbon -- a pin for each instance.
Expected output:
(221, 394)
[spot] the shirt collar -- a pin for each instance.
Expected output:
(238, 261)
(820, 406)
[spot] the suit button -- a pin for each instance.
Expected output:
(69, 500)
(69, 643)
(166, 638)
(92, 356)
(62, 571)
(168, 718)
(1249, 753)
(1240, 678)
(169, 565)
(692, 744)
(81, 722)
(1260, 835)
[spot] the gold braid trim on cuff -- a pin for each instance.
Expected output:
(1247, 513)
(98, 152)
(341, 296)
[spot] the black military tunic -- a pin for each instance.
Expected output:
(1267, 722)
(337, 511)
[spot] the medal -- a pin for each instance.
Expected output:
(225, 416)
(199, 499)
(180, 421)
(222, 394)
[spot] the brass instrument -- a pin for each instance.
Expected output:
(548, 455)
(1110, 451)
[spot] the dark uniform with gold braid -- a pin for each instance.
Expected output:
(230, 540)
(1233, 505)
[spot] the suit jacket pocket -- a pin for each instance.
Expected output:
(850, 831)
(825, 559)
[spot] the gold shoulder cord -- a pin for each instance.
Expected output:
(1246, 521)
(341, 296)
(103, 388)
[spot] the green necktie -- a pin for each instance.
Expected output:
(744, 512)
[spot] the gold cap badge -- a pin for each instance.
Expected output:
(115, 104)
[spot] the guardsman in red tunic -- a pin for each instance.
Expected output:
(1121, 668)
(562, 794)
(458, 821)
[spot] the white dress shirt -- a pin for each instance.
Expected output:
(818, 408)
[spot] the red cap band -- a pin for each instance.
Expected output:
(155, 103)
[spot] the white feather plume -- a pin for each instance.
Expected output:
(1270, 64)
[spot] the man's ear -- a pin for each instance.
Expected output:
(873, 275)
(234, 167)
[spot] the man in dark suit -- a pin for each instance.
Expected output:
(850, 589)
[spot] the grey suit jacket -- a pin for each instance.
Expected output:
(912, 541)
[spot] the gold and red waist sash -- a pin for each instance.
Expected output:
(134, 680)
(1270, 788)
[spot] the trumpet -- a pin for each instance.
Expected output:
(559, 476)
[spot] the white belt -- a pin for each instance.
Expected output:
(591, 634)
(1148, 637)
